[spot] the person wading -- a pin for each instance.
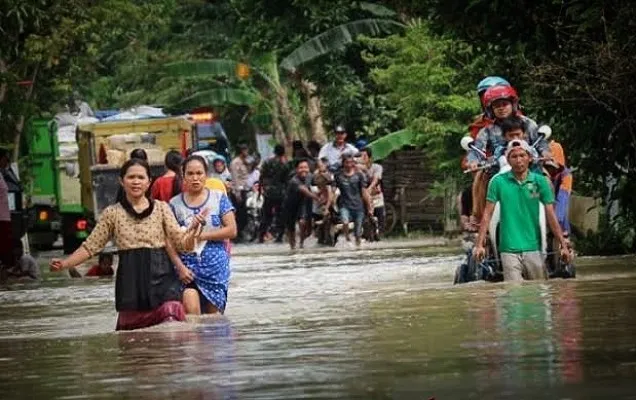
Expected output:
(354, 197)
(273, 180)
(147, 288)
(519, 193)
(206, 274)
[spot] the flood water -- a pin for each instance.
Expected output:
(372, 323)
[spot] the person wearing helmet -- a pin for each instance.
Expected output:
(220, 172)
(361, 144)
(482, 120)
(333, 151)
(501, 102)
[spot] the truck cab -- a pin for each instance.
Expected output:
(209, 133)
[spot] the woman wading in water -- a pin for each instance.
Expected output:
(147, 289)
(207, 269)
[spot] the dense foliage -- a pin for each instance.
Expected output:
(572, 62)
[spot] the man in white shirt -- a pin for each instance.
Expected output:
(333, 151)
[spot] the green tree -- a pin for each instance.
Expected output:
(51, 48)
(421, 74)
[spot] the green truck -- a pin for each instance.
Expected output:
(53, 192)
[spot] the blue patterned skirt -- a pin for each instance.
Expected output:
(211, 272)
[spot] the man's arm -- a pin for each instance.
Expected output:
(305, 191)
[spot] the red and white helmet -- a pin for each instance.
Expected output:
(500, 93)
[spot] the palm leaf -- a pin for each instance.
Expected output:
(336, 38)
(394, 141)
(216, 67)
(219, 97)
(377, 9)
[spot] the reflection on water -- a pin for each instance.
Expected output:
(368, 324)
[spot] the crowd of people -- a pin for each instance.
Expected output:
(173, 233)
(321, 185)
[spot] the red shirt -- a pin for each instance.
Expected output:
(162, 188)
(95, 271)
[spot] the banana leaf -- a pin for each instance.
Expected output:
(377, 9)
(216, 67)
(219, 97)
(394, 141)
(336, 38)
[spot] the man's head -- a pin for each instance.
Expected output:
(279, 150)
(302, 168)
(518, 155)
(321, 180)
(243, 150)
(219, 164)
(323, 164)
(367, 155)
(513, 128)
(348, 162)
(341, 134)
(314, 148)
(5, 158)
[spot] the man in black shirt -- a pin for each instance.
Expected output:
(297, 206)
(273, 180)
(354, 197)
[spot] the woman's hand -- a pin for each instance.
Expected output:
(57, 265)
(185, 274)
(199, 220)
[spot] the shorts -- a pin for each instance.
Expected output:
(357, 216)
(528, 265)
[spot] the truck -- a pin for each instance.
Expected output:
(209, 133)
(53, 206)
(105, 145)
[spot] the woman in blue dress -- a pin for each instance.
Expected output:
(206, 270)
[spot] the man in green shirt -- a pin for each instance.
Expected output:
(519, 193)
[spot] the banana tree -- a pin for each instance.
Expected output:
(274, 95)
(332, 40)
(260, 89)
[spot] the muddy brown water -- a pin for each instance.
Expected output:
(372, 323)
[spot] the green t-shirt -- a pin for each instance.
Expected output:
(519, 229)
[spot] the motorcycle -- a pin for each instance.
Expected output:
(254, 204)
(490, 268)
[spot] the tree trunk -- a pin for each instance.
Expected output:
(291, 124)
(314, 111)
(19, 126)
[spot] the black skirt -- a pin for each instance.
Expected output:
(145, 280)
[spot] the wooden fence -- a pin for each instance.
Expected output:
(407, 182)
